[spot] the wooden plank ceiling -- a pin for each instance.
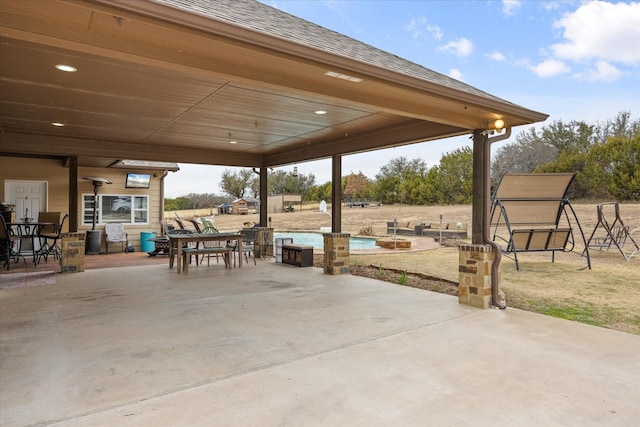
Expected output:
(190, 89)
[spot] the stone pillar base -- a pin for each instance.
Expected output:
(474, 286)
(264, 242)
(336, 253)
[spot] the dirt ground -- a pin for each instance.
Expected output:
(355, 219)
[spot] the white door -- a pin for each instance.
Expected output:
(30, 197)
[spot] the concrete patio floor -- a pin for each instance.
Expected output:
(275, 345)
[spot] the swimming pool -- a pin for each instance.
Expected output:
(316, 240)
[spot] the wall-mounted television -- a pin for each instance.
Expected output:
(138, 180)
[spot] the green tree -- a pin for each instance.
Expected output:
(281, 182)
(528, 152)
(356, 186)
(177, 204)
(572, 137)
(254, 186)
(571, 162)
(392, 184)
(451, 182)
(576, 147)
(427, 189)
(620, 126)
(235, 184)
(321, 192)
(614, 168)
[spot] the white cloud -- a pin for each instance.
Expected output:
(550, 5)
(456, 74)
(417, 27)
(550, 68)
(496, 56)
(461, 47)
(414, 26)
(435, 31)
(601, 30)
(510, 6)
(603, 72)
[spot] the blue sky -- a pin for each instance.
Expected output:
(574, 60)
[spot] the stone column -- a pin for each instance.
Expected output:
(72, 252)
(474, 286)
(264, 242)
(336, 253)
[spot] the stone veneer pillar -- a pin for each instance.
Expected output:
(336, 253)
(264, 242)
(474, 286)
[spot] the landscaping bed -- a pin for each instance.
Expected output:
(398, 277)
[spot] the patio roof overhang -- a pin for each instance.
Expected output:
(158, 82)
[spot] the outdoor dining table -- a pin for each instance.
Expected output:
(28, 231)
(181, 239)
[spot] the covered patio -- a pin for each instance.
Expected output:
(231, 83)
(147, 347)
(243, 84)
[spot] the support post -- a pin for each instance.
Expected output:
(263, 197)
(481, 204)
(336, 193)
(486, 277)
(73, 194)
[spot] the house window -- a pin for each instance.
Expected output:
(124, 209)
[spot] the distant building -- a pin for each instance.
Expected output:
(284, 203)
(239, 207)
(253, 204)
(225, 209)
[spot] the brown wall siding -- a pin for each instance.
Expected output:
(52, 171)
(57, 176)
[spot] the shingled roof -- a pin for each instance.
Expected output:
(259, 17)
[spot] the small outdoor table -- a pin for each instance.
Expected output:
(28, 231)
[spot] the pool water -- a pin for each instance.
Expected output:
(317, 240)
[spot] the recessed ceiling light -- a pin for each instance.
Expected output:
(57, 124)
(66, 68)
(320, 112)
(342, 76)
(233, 142)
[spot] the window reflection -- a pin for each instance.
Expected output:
(126, 209)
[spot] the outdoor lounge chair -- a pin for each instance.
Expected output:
(181, 223)
(114, 233)
(197, 226)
